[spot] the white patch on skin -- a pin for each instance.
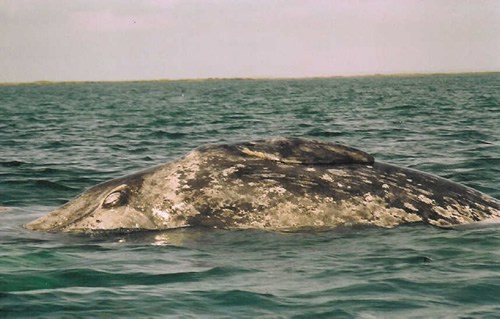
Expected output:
(425, 199)
(179, 206)
(277, 189)
(385, 186)
(413, 218)
(368, 197)
(261, 155)
(340, 185)
(410, 206)
(486, 197)
(409, 180)
(228, 171)
(337, 172)
(311, 169)
(162, 214)
(462, 215)
(172, 183)
(327, 177)
(439, 222)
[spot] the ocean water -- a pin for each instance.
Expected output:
(56, 140)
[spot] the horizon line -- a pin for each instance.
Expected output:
(372, 75)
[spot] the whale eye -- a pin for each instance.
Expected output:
(114, 199)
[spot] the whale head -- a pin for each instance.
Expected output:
(113, 205)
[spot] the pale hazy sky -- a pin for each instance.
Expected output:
(67, 40)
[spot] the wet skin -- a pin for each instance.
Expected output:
(276, 184)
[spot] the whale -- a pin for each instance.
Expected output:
(277, 184)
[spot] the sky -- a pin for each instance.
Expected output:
(111, 40)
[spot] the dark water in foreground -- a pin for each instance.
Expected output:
(57, 140)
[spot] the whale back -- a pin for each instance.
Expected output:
(296, 151)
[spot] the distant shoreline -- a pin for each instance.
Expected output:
(45, 82)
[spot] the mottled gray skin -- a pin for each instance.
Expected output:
(277, 184)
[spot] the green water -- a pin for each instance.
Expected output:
(56, 140)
